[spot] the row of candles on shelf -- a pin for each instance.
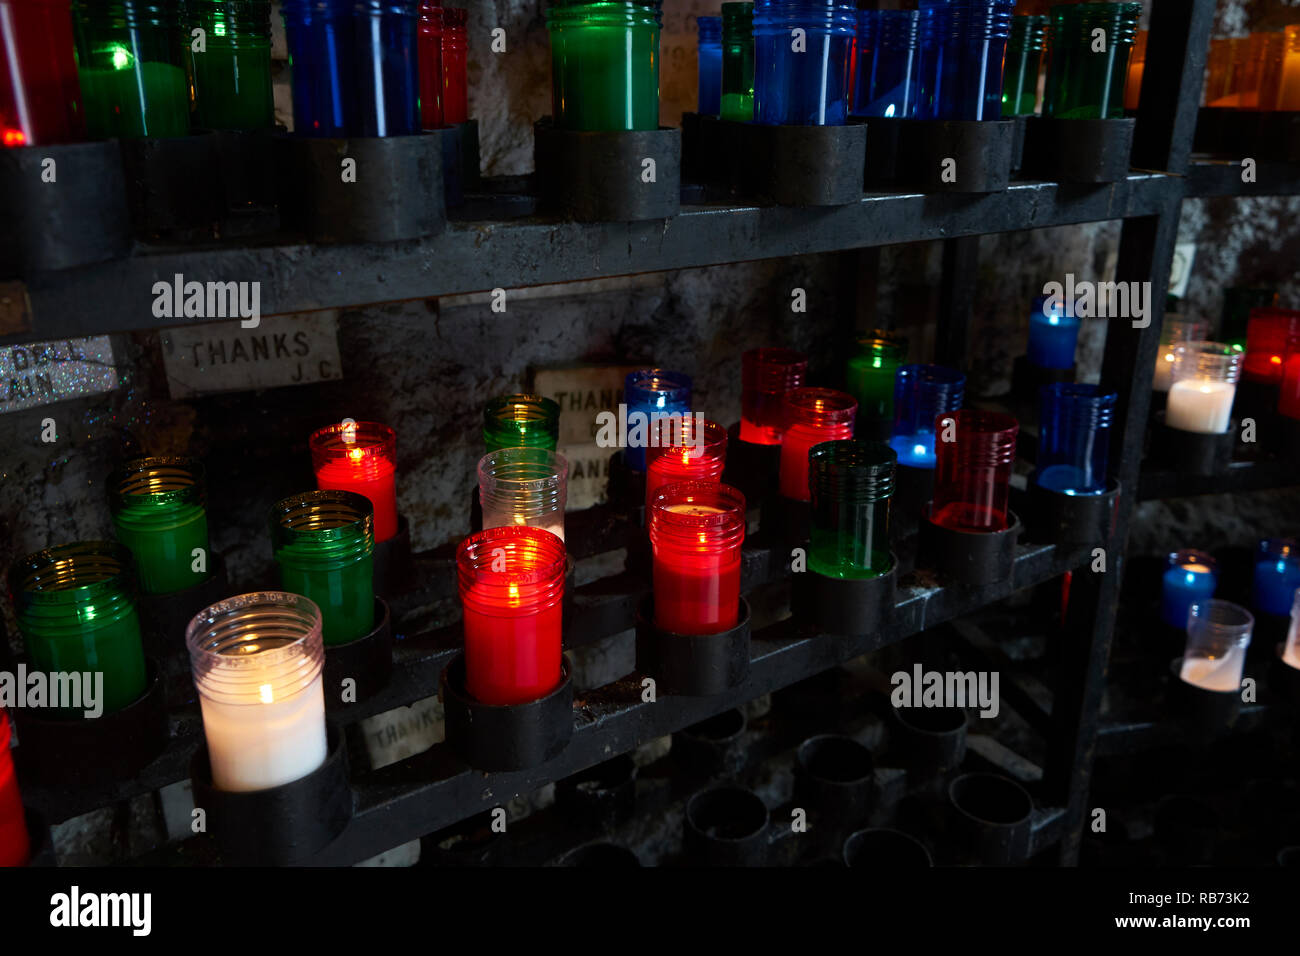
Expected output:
(1260, 71)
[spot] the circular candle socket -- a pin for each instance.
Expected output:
(806, 165)
(982, 150)
(1077, 150)
(846, 607)
(752, 468)
(521, 421)
(1187, 828)
(969, 557)
(992, 819)
(1289, 856)
(367, 663)
(573, 170)
(887, 851)
(692, 665)
(511, 737)
(929, 740)
(1201, 715)
(161, 177)
(727, 826)
(164, 617)
(81, 751)
(1284, 676)
(1070, 521)
(523, 487)
(913, 490)
(394, 568)
(281, 825)
(601, 796)
(787, 521)
(716, 747)
(1191, 453)
(601, 856)
(835, 780)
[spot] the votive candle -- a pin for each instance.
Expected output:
(1176, 330)
(360, 457)
(15, 845)
(1190, 576)
(696, 529)
(1203, 386)
(1277, 575)
(767, 375)
(1218, 634)
(685, 449)
(812, 416)
(158, 512)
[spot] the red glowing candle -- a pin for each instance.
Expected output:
(360, 457)
(696, 529)
(766, 377)
(429, 47)
(14, 844)
(1267, 334)
(40, 95)
(812, 416)
(974, 452)
(685, 449)
(1288, 400)
(511, 583)
(455, 93)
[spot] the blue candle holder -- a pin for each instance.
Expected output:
(653, 391)
(963, 43)
(710, 65)
(886, 81)
(1053, 335)
(922, 393)
(807, 87)
(1074, 438)
(1191, 576)
(1277, 575)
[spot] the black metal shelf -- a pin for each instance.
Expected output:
(1241, 476)
(1207, 178)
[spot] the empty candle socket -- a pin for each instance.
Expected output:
(727, 826)
(835, 781)
(523, 487)
(716, 747)
(992, 819)
(886, 851)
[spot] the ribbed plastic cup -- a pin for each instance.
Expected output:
(605, 65)
(685, 449)
(232, 77)
(514, 421)
(1267, 334)
(1218, 634)
(1190, 576)
(851, 483)
(1081, 83)
(1074, 438)
(806, 87)
(738, 62)
(158, 512)
(963, 44)
(1025, 46)
(870, 374)
(1174, 331)
(524, 487)
(767, 375)
(1277, 575)
(696, 529)
(455, 53)
(812, 415)
(1203, 386)
(973, 469)
(429, 39)
(886, 84)
(709, 47)
(649, 392)
(921, 394)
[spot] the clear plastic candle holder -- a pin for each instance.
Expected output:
(524, 487)
(131, 64)
(455, 58)
(1190, 576)
(1218, 634)
(605, 64)
(1277, 575)
(1053, 334)
(1075, 424)
(1288, 400)
(973, 470)
(767, 375)
(1202, 387)
(886, 80)
(1267, 336)
(684, 449)
(1291, 650)
(871, 371)
(15, 845)
(922, 393)
(76, 609)
(232, 76)
(360, 457)
(812, 416)
(696, 530)
(515, 421)
(40, 100)
(511, 584)
(851, 484)
(324, 545)
(159, 513)
(709, 50)
(809, 86)
(647, 393)
(738, 62)
(962, 47)
(1175, 331)
(429, 52)
(257, 660)
(1082, 82)
(1024, 62)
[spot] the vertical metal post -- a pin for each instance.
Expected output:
(961, 258)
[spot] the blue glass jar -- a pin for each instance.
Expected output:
(886, 82)
(651, 391)
(922, 393)
(710, 63)
(864, 41)
(1074, 438)
(1053, 335)
(1277, 575)
(355, 69)
(963, 43)
(802, 80)
(1191, 576)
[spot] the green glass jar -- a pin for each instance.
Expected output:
(870, 377)
(324, 544)
(605, 64)
(232, 76)
(76, 610)
(1023, 63)
(521, 421)
(1085, 80)
(158, 508)
(130, 60)
(738, 62)
(850, 483)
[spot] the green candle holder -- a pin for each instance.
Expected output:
(324, 543)
(1083, 81)
(738, 62)
(870, 377)
(850, 483)
(130, 62)
(1023, 62)
(521, 421)
(605, 64)
(232, 77)
(158, 511)
(76, 610)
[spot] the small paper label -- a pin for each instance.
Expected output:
(41, 373)
(582, 392)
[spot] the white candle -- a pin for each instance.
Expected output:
(265, 744)
(1215, 673)
(1200, 406)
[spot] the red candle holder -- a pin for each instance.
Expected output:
(684, 449)
(1288, 400)
(40, 104)
(812, 416)
(15, 845)
(360, 457)
(974, 452)
(1267, 334)
(696, 529)
(455, 92)
(429, 47)
(766, 377)
(511, 583)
